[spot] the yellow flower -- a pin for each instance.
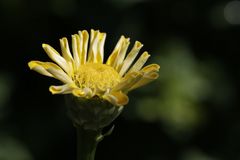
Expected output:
(84, 74)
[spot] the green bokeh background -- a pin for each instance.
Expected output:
(190, 113)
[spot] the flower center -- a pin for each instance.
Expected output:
(96, 76)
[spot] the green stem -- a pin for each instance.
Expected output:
(87, 141)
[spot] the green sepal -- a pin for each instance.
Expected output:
(91, 114)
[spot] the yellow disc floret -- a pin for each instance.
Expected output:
(96, 76)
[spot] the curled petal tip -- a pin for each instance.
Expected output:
(138, 44)
(117, 98)
(31, 64)
(44, 45)
(157, 67)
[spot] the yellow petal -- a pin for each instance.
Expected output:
(56, 57)
(130, 58)
(65, 49)
(151, 68)
(140, 62)
(93, 46)
(58, 73)
(127, 82)
(112, 58)
(76, 49)
(117, 56)
(85, 93)
(145, 80)
(63, 89)
(50, 69)
(122, 54)
(96, 49)
(67, 54)
(100, 50)
(38, 67)
(116, 98)
(83, 35)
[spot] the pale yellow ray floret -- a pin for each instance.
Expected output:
(84, 74)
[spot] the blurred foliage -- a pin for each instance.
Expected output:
(190, 113)
(176, 99)
(6, 85)
(196, 155)
(181, 87)
(12, 149)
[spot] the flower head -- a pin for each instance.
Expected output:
(84, 74)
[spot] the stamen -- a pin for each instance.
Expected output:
(96, 76)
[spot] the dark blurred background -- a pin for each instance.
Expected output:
(190, 113)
